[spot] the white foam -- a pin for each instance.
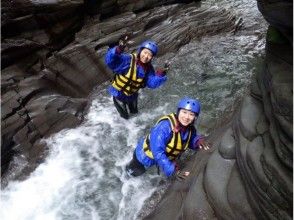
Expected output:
(35, 197)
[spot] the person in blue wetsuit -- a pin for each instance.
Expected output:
(167, 140)
(132, 72)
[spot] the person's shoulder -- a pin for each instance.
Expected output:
(164, 121)
(164, 126)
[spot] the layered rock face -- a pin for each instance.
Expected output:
(248, 174)
(33, 105)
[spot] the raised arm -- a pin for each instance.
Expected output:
(117, 61)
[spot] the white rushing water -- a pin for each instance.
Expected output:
(83, 177)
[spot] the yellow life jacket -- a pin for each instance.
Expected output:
(175, 145)
(128, 83)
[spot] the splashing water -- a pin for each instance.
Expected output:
(83, 177)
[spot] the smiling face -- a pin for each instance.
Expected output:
(146, 55)
(186, 117)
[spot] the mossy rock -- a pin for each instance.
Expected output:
(275, 36)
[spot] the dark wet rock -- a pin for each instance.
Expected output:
(12, 50)
(29, 28)
(278, 14)
(76, 70)
(22, 16)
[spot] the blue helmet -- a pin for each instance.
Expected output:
(151, 45)
(192, 105)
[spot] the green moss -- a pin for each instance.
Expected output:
(275, 36)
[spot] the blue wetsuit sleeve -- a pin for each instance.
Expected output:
(194, 140)
(154, 81)
(159, 138)
(117, 62)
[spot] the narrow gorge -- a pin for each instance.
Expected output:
(62, 142)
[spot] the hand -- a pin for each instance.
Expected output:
(182, 175)
(202, 144)
(123, 42)
(166, 66)
(162, 72)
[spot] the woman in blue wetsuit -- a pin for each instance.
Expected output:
(132, 72)
(168, 139)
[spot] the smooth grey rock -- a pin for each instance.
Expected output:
(172, 201)
(180, 194)
(216, 179)
(251, 111)
(237, 196)
(196, 205)
(262, 125)
(227, 148)
(255, 90)
(253, 159)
